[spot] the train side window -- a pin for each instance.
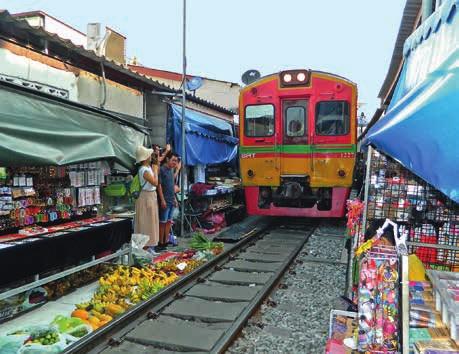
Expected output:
(259, 120)
(332, 118)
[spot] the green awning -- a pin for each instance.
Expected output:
(37, 130)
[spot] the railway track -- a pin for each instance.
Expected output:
(204, 311)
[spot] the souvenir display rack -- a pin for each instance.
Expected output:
(48, 195)
(430, 218)
(49, 228)
(430, 222)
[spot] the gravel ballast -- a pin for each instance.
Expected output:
(297, 320)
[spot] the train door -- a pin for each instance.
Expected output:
(259, 154)
(332, 144)
(295, 147)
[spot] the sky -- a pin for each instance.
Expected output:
(353, 38)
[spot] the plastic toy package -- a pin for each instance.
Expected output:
(378, 304)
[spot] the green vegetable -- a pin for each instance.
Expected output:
(201, 243)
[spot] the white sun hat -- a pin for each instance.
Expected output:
(142, 153)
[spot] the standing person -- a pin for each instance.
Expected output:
(146, 206)
(161, 155)
(176, 174)
(167, 198)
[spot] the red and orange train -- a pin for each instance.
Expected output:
(298, 143)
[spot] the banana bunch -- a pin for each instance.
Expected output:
(83, 305)
(125, 286)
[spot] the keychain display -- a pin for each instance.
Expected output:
(429, 216)
(378, 303)
(378, 292)
(46, 195)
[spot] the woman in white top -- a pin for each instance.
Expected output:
(146, 206)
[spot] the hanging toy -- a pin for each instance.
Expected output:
(354, 212)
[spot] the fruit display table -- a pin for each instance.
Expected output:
(30, 254)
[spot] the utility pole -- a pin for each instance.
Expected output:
(183, 170)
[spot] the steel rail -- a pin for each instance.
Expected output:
(115, 329)
(229, 336)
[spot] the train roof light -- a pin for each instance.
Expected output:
(287, 78)
(295, 78)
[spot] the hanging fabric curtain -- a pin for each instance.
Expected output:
(209, 140)
(421, 126)
(37, 130)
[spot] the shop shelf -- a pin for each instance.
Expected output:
(436, 276)
(449, 305)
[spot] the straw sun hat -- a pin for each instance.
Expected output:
(142, 153)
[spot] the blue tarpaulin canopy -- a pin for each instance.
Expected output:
(421, 126)
(209, 140)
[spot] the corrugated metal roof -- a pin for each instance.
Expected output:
(407, 26)
(17, 28)
(171, 75)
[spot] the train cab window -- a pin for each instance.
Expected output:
(295, 117)
(259, 120)
(332, 118)
(295, 122)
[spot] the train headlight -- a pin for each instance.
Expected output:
(250, 173)
(294, 78)
(287, 78)
(342, 173)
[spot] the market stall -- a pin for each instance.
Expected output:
(56, 156)
(59, 247)
(214, 197)
(70, 308)
(412, 179)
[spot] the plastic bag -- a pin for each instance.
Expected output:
(39, 331)
(10, 344)
(65, 324)
(75, 334)
(416, 270)
(73, 328)
(138, 242)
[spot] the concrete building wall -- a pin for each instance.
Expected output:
(118, 98)
(64, 31)
(52, 25)
(35, 21)
(156, 118)
(82, 86)
(210, 111)
(222, 93)
(21, 67)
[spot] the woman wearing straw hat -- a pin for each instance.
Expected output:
(146, 206)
